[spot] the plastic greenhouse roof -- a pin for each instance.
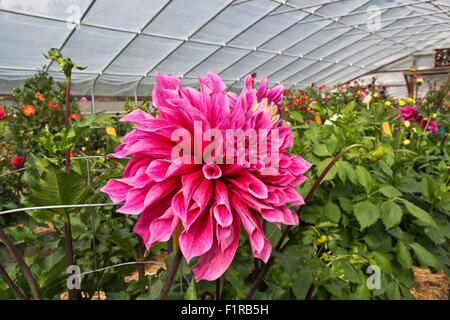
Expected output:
(295, 42)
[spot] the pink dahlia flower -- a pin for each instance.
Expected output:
(211, 198)
(432, 125)
(407, 114)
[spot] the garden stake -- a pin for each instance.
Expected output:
(21, 262)
(11, 284)
(286, 231)
(170, 275)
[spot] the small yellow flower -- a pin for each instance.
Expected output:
(83, 149)
(434, 115)
(401, 103)
(407, 123)
(97, 152)
(111, 131)
(375, 95)
(419, 81)
(414, 130)
(406, 142)
(413, 69)
(86, 139)
(410, 101)
(387, 103)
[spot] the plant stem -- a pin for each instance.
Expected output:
(67, 229)
(21, 262)
(171, 275)
(219, 286)
(67, 119)
(11, 284)
(141, 267)
(286, 231)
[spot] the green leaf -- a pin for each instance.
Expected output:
(409, 185)
(380, 259)
(191, 292)
(393, 291)
(420, 214)
(296, 115)
(366, 213)
(428, 188)
(391, 214)
(403, 255)
(350, 273)
(320, 150)
(321, 167)
(302, 283)
(390, 192)
(332, 211)
(425, 256)
(364, 177)
(57, 187)
(435, 235)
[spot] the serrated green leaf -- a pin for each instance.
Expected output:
(302, 283)
(332, 211)
(366, 213)
(390, 192)
(320, 150)
(364, 177)
(420, 214)
(403, 255)
(57, 187)
(391, 214)
(425, 256)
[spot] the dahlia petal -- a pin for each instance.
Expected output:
(153, 212)
(161, 189)
(137, 116)
(223, 215)
(198, 238)
(215, 262)
(116, 190)
(134, 201)
(299, 165)
(162, 228)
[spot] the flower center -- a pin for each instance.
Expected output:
(211, 171)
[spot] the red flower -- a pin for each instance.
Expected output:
(28, 110)
(53, 105)
(253, 83)
(74, 116)
(2, 114)
(254, 75)
(40, 96)
(17, 162)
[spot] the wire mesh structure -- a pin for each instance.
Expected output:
(294, 42)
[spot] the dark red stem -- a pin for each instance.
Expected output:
(21, 262)
(4, 275)
(171, 275)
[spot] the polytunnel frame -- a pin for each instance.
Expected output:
(273, 54)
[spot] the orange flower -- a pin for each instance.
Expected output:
(40, 96)
(318, 120)
(28, 110)
(75, 116)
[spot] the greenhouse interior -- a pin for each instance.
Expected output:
(327, 177)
